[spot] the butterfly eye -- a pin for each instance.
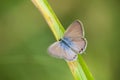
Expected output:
(60, 39)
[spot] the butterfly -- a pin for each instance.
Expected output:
(72, 43)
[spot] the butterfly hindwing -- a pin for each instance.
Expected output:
(79, 45)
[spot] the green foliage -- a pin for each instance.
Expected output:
(79, 71)
(25, 37)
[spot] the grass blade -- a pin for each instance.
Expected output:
(78, 67)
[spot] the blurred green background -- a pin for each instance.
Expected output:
(25, 37)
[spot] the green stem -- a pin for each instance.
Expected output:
(78, 67)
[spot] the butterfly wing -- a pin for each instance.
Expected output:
(75, 33)
(60, 51)
(79, 45)
(69, 55)
(75, 30)
(55, 50)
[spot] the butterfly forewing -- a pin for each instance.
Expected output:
(75, 30)
(59, 49)
(55, 50)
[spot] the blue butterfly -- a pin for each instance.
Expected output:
(72, 43)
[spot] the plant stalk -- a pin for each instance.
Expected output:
(78, 67)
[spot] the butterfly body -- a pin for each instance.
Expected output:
(66, 42)
(72, 43)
